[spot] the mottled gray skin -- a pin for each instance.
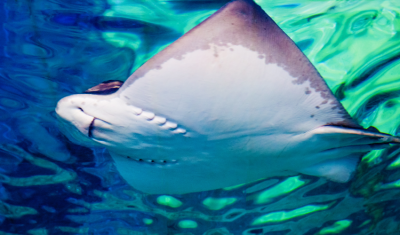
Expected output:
(243, 22)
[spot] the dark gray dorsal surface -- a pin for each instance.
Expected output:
(242, 22)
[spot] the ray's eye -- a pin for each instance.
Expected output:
(105, 88)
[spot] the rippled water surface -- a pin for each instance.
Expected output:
(54, 48)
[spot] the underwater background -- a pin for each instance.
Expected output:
(50, 49)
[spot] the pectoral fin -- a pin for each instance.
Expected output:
(340, 150)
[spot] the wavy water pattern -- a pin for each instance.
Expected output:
(50, 49)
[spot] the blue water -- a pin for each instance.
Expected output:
(50, 49)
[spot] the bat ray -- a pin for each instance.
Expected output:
(231, 101)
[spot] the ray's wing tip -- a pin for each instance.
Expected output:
(395, 140)
(386, 138)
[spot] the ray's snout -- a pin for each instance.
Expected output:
(71, 112)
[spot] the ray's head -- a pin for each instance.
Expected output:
(76, 120)
(100, 117)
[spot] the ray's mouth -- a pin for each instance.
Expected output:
(90, 129)
(95, 128)
(91, 125)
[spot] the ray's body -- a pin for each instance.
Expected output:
(232, 101)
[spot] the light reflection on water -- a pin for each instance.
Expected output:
(55, 48)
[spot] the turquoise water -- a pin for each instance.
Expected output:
(54, 48)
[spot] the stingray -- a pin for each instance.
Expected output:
(230, 102)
